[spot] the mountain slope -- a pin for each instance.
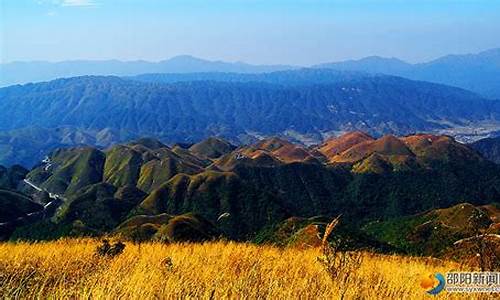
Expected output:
(211, 148)
(15, 207)
(298, 77)
(337, 145)
(28, 145)
(10, 177)
(438, 231)
(489, 148)
(68, 170)
(366, 154)
(259, 185)
(191, 111)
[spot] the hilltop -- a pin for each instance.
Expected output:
(145, 190)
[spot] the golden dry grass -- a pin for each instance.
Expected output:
(217, 270)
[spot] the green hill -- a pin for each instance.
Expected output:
(134, 190)
(436, 231)
(69, 170)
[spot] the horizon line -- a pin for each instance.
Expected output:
(244, 62)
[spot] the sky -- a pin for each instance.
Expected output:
(298, 32)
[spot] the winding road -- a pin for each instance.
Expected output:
(47, 212)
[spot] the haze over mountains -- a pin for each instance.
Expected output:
(479, 72)
(307, 105)
(36, 71)
(165, 154)
(186, 99)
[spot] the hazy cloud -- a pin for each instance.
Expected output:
(67, 2)
(78, 3)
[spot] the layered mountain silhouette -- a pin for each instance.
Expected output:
(301, 105)
(25, 72)
(146, 190)
(475, 72)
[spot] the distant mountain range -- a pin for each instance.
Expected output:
(479, 72)
(36, 71)
(305, 105)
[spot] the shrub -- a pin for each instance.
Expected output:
(110, 250)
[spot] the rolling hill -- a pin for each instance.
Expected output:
(259, 185)
(443, 232)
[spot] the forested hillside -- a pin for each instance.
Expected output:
(304, 105)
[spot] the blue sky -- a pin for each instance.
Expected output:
(301, 32)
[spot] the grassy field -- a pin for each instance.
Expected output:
(71, 269)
